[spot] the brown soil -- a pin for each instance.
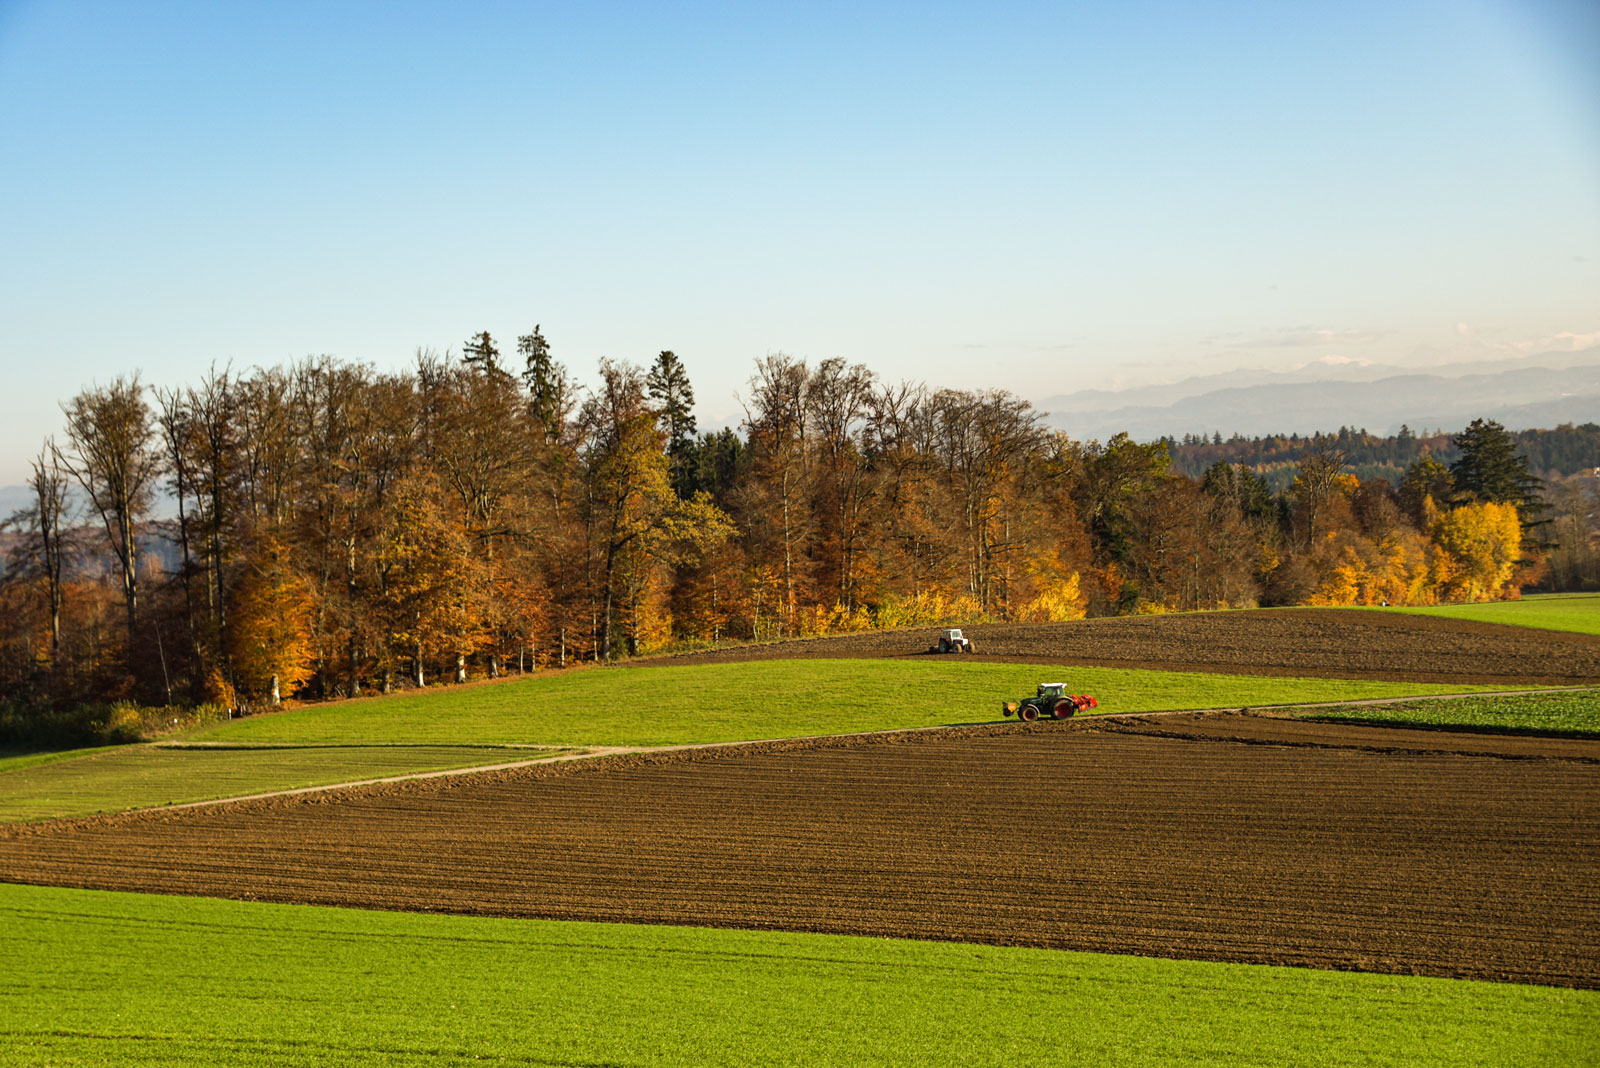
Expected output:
(1329, 643)
(1218, 837)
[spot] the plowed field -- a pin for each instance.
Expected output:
(1219, 837)
(1328, 643)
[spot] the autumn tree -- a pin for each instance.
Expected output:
(41, 556)
(110, 453)
(982, 439)
(629, 493)
(431, 579)
(1574, 562)
(1426, 487)
(270, 646)
(1482, 542)
(1113, 476)
(213, 427)
(838, 400)
(775, 419)
(1492, 468)
(1316, 490)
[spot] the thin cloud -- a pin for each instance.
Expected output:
(1561, 341)
(1294, 337)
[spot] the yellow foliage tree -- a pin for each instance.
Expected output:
(269, 638)
(1393, 569)
(1480, 544)
(1055, 600)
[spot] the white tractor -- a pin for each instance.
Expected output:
(951, 641)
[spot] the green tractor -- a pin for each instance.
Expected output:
(1052, 700)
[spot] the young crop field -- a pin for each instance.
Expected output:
(15, 761)
(128, 979)
(1567, 712)
(675, 705)
(145, 776)
(1575, 612)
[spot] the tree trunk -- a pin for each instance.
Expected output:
(461, 668)
(417, 664)
(276, 699)
(605, 625)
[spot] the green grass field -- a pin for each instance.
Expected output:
(760, 699)
(14, 761)
(1571, 712)
(1578, 612)
(127, 979)
(144, 776)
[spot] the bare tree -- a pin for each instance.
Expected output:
(1316, 486)
(43, 552)
(984, 437)
(776, 421)
(838, 400)
(110, 436)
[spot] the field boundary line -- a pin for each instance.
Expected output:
(442, 773)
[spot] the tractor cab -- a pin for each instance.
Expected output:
(1052, 690)
(951, 640)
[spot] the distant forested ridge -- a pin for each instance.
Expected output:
(335, 529)
(1552, 454)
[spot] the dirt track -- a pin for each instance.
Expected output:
(1324, 642)
(1216, 837)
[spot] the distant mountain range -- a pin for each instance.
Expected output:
(1540, 391)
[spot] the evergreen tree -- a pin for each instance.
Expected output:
(481, 352)
(1424, 489)
(550, 390)
(669, 389)
(1491, 467)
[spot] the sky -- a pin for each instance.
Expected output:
(1035, 197)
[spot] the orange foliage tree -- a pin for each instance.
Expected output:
(269, 639)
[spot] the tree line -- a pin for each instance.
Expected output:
(1556, 453)
(332, 529)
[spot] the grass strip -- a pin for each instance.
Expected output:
(145, 776)
(760, 699)
(1572, 712)
(130, 979)
(1576, 612)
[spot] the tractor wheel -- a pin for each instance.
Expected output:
(1064, 708)
(1028, 713)
(944, 646)
(968, 648)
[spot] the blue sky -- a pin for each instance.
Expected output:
(1037, 197)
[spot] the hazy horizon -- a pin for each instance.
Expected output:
(1029, 198)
